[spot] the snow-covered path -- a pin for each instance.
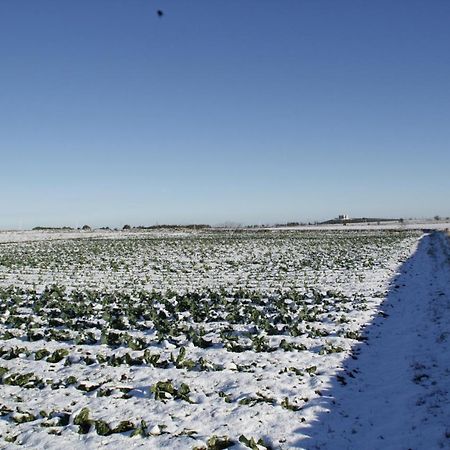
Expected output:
(394, 393)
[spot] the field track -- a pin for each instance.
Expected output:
(399, 397)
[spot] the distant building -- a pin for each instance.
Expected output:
(343, 217)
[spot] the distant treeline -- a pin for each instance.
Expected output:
(291, 224)
(357, 220)
(127, 227)
(202, 226)
(52, 228)
(176, 227)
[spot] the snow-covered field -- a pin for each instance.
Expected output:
(213, 339)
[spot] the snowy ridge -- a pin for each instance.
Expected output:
(395, 392)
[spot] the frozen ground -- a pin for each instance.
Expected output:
(395, 391)
(45, 235)
(407, 225)
(58, 235)
(260, 335)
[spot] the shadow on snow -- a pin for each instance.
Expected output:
(334, 427)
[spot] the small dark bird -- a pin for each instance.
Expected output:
(160, 13)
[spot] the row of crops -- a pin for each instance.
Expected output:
(206, 340)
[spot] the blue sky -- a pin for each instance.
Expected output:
(251, 111)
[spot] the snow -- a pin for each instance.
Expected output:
(397, 395)
(45, 235)
(333, 392)
(390, 225)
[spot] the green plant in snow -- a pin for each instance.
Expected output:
(165, 390)
(219, 442)
(83, 421)
(285, 404)
(57, 355)
(141, 430)
(254, 445)
(123, 427)
(260, 398)
(23, 417)
(102, 428)
(226, 397)
(41, 354)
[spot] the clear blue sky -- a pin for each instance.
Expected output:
(233, 110)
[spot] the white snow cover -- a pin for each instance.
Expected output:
(319, 340)
(395, 392)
